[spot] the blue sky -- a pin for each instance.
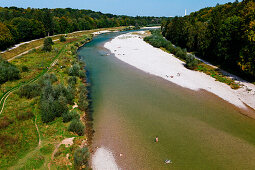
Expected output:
(122, 7)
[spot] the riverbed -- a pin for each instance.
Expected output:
(196, 129)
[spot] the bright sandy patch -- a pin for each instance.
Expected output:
(103, 159)
(131, 49)
(101, 32)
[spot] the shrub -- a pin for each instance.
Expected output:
(68, 116)
(48, 78)
(60, 106)
(181, 54)
(47, 110)
(5, 122)
(171, 49)
(191, 62)
(77, 127)
(70, 94)
(25, 115)
(72, 81)
(53, 101)
(83, 102)
(47, 44)
(81, 158)
(76, 44)
(24, 69)
(62, 38)
(74, 70)
(30, 91)
(8, 72)
(82, 74)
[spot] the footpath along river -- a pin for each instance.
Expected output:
(196, 130)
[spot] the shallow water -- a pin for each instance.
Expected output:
(196, 130)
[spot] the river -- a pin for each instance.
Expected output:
(196, 130)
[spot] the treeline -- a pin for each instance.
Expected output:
(157, 40)
(18, 24)
(224, 35)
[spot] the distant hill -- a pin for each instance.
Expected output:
(18, 24)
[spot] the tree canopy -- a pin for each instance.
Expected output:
(18, 24)
(224, 34)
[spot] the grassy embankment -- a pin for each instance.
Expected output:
(19, 146)
(157, 40)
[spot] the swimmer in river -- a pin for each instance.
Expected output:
(156, 139)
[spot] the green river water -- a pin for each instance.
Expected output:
(196, 130)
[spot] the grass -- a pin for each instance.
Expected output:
(20, 137)
(216, 73)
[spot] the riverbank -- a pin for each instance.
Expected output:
(131, 49)
(21, 116)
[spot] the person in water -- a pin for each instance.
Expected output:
(156, 139)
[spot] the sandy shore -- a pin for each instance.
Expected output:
(103, 159)
(131, 49)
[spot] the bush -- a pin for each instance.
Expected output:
(8, 72)
(47, 109)
(5, 122)
(77, 127)
(83, 102)
(52, 78)
(74, 70)
(72, 81)
(70, 94)
(68, 116)
(25, 115)
(24, 69)
(62, 38)
(191, 62)
(47, 44)
(30, 91)
(76, 44)
(81, 158)
(171, 49)
(54, 100)
(181, 54)
(82, 74)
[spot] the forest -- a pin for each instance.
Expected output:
(223, 35)
(19, 25)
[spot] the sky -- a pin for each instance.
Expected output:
(122, 7)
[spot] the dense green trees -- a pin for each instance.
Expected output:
(53, 100)
(18, 24)
(224, 34)
(6, 38)
(157, 40)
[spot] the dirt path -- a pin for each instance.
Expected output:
(67, 142)
(4, 98)
(39, 135)
(25, 52)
